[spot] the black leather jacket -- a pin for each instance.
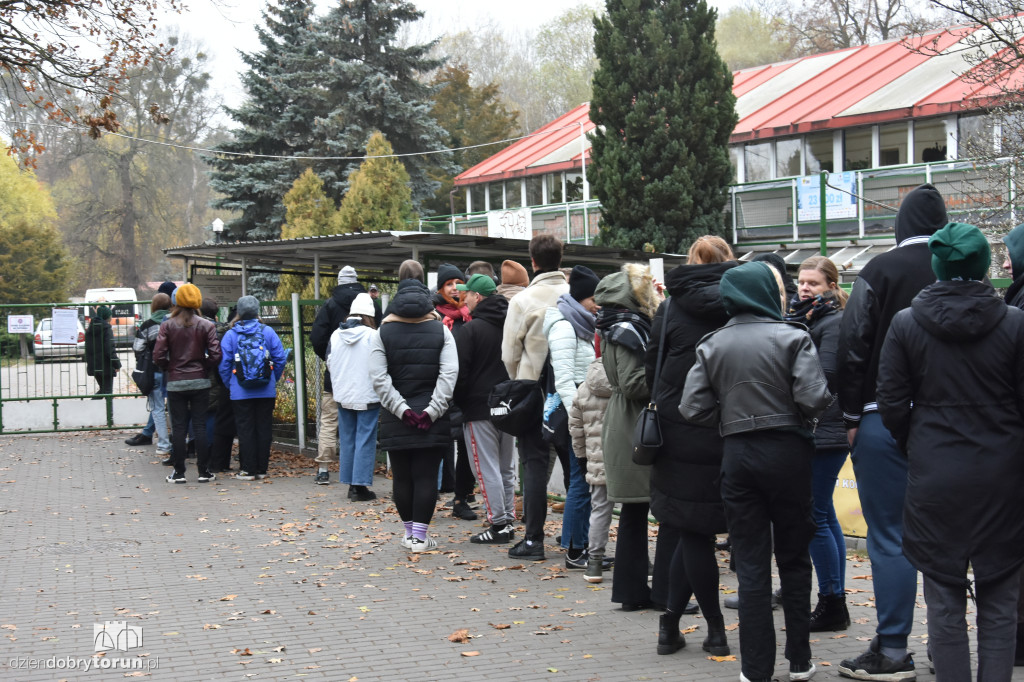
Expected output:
(753, 374)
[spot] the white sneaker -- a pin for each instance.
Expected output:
(803, 674)
(418, 545)
(406, 542)
(245, 476)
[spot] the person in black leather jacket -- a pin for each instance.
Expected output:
(820, 305)
(759, 379)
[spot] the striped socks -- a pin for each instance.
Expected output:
(419, 530)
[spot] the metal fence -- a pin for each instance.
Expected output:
(44, 386)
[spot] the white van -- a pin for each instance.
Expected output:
(124, 317)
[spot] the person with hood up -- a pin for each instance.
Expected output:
(951, 393)
(686, 474)
(758, 379)
(480, 369)
(145, 339)
(187, 350)
(514, 279)
(333, 314)
(253, 407)
(101, 361)
(413, 365)
(457, 474)
(628, 303)
(820, 308)
(570, 326)
(358, 405)
(886, 285)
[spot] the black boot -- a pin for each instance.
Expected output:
(830, 614)
(716, 642)
(670, 640)
(1019, 656)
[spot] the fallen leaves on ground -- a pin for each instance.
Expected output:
(721, 659)
(459, 636)
(468, 654)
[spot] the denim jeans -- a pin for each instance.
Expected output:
(357, 445)
(158, 413)
(828, 546)
(881, 471)
(576, 515)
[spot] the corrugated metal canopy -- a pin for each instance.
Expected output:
(382, 252)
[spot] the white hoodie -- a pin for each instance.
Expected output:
(348, 360)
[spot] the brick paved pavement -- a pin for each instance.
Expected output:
(309, 584)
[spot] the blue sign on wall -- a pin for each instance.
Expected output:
(839, 203)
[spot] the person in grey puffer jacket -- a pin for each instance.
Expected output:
(760, 380)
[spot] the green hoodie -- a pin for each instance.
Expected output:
(751, 288)
(159, 316)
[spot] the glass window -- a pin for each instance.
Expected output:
(513, 193)
(856, 149)
(818, 148)
(494, 190)
(573, 187)
(476, 198)
(554, 181)
(974, 135)
(757, 162)
(892, 144)
(1011, 126)
(787, 158)
(930, 140)
(734, 160)
(534, 185)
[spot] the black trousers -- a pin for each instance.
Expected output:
(104, 382)
(766, 481)
(414, 479)
(457, 474)
(223, 436)
(693, 570)
(629, 579)
(534, 455)
(253, 419)
(185, 406)
(664, 551)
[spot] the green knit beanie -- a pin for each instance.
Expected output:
(960, 251)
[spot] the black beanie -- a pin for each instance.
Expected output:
(448, 272)
(167, 287)
(582, 282)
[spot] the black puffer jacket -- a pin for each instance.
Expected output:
(685, 476)
(328, 318)
(480, 365)
(831, 432)
(951, 392)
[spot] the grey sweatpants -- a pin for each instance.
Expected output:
(997, 628)
(491, 452)
(600, 519)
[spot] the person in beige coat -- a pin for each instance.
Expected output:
(585, 418)
(524, 350)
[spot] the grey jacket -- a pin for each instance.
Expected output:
(754, 374)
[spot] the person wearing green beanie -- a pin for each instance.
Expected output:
(759, 380)
(951, 392)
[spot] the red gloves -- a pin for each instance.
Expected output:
(417, 420)
(424, 421)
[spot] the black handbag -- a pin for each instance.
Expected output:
(647, 432)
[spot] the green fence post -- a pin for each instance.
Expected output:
(823, 224)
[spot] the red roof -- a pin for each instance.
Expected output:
(857, 86)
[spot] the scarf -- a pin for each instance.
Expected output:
(450, 314)
(625, 327)
(812, 309)
(581, 319)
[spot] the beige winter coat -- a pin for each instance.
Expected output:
(524, 347)
(585, 418)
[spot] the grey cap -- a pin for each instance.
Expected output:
(248, 308)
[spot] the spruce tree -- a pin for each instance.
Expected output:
(369, 82)
(276, 119)
(309, 212)
(664, 108)
(379, 197)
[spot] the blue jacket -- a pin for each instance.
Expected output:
(229, 345)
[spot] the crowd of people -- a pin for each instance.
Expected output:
(763, 386)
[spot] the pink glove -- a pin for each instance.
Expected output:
(411, 419)
(424, 421)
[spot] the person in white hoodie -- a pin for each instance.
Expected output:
(348, 360)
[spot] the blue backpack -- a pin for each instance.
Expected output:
(253, 366)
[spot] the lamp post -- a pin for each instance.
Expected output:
(218, 227)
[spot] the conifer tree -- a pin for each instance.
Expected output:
(309, 213)
(379, 197)
(664, 108)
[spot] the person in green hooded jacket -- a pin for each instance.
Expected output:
(101, 361)
(759, 380)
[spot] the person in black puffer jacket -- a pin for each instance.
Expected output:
(686, 474)
(414, 365)
(820, 308)
(951, 392)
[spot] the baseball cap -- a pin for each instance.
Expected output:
(480, 283)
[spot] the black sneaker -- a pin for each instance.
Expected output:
(206, 476)
(323, 478)
(874, 665)
(801, 671)
(495, 535)
(139, 439)
(168, 462)
(461, 510)
(175, 477)
(579, 562)
(360, 493)
(531, 550)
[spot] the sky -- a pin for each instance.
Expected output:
(221, 27)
